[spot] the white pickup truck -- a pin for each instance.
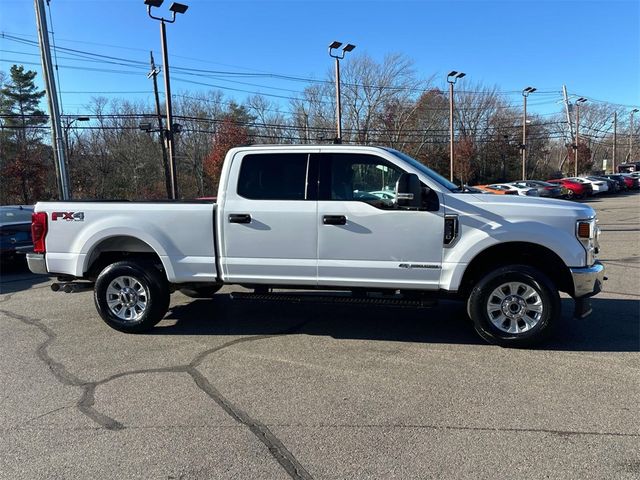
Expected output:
(364, 221)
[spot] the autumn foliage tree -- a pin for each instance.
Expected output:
(463, 164)
(229, 134)
(585, 162)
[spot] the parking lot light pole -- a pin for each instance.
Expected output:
(578, 102)
(525, 94)
(615, 141)
(347, 48)
(630, 158)
(452, 77)
(67, 127)
(169, 132)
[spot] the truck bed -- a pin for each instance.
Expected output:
(181, 233)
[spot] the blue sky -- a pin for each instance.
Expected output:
(591, 46)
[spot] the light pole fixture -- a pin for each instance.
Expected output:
(525, 94)
(452, 77)
(335, 45)
(629, 157)
(578, 102)
(67, 127)
(170, 130)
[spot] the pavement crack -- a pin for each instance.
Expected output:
(87, 402)
(27, 422)
(57, 368)
(86, 406)
(277, 449)
(465, 428)
(60, 372)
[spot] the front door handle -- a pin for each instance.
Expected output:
(239, 218)
(334, 220)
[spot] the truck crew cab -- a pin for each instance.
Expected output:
(367, 220)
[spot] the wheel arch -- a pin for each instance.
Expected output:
(116, 248)
(518, 253)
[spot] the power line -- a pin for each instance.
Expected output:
(209, 73)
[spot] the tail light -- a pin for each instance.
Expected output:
(38, 231)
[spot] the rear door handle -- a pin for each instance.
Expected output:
(239, 218)
(334, 220)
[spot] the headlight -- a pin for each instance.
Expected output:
(587, 232)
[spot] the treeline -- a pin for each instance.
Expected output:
(387, 103)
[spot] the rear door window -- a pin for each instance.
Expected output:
(274, 176)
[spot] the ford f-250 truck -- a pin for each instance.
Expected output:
(367, 221)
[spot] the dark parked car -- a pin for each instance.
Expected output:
(15, 231)
(545, 189)
(574, 189)
(619, 180)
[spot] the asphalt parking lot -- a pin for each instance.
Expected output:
(250, 390)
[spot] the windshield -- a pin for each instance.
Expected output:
(436, 177)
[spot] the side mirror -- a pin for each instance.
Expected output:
(408, 191)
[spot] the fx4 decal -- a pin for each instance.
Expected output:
(68, 216)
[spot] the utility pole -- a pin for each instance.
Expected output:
(62, 176)
(567, 109)
(615, 141)
(165, 162)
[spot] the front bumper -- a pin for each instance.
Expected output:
(37, 263)
(587, 281)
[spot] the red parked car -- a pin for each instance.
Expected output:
(633, 183)
(574, 189)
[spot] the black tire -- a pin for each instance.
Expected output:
(147, 286)
(201, 292)
(534, 325)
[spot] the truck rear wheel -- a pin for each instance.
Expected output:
(514, 306)
(131, 297)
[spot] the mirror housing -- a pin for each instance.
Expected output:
(408, 191)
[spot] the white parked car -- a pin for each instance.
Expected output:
(524, 191)
(598, 186)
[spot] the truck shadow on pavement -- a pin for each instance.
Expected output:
(614, 325)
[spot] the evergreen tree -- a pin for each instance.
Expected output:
(22, 153)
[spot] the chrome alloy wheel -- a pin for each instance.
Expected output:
(127, 298)
(515, 307)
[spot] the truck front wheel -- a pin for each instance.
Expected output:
(131, 297)
(514, 306)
